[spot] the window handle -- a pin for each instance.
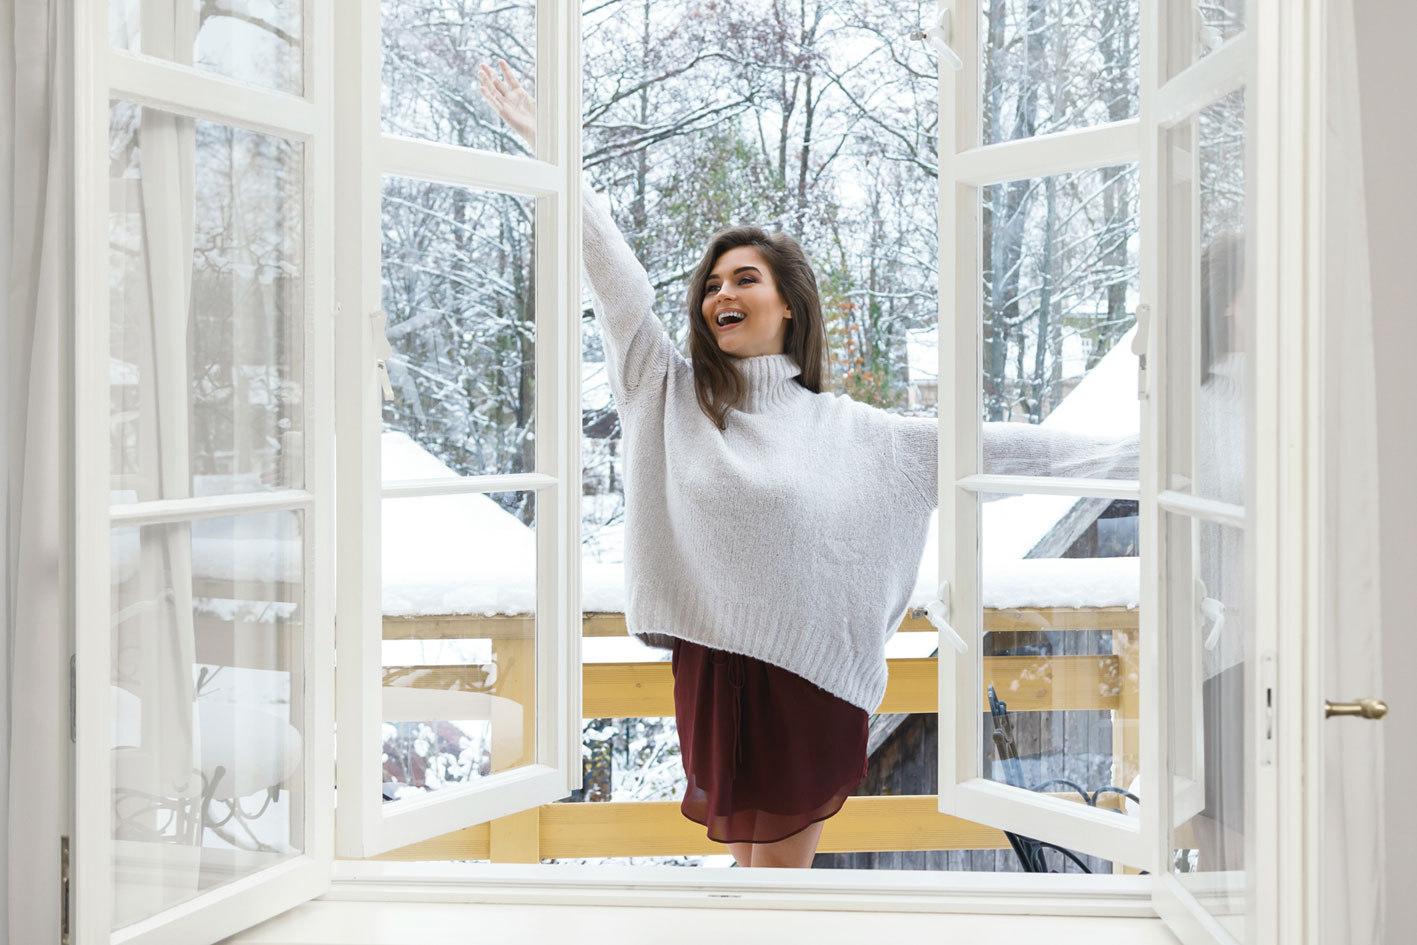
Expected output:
(378, 327)
(1363, 709)
(1210, 609)
(937, 612)
(1139, 343)
(939, 37)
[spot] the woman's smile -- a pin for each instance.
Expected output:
(741, 284)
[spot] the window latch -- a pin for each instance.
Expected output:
(378, 326)
(937, 612)
(1212, 610)
(939, 37)
(1139, 345)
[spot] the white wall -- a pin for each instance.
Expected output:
(1388, 81)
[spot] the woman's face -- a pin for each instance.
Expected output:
(741, 281)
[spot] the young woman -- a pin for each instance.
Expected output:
(773, 530)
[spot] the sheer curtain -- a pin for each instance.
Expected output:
(38, 72)
(1352, 856)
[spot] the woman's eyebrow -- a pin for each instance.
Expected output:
(714, 275)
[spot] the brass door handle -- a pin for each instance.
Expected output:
(1363, 708)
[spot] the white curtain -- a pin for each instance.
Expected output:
(38, 73)
(1353, 852)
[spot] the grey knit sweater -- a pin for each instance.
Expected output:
(794, 535)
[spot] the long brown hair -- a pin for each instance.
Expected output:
(717, 382)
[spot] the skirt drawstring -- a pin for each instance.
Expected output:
(737, 675)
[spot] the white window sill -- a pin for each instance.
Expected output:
(387, 903)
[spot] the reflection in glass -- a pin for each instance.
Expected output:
(1206, 360)
(207, 308)
(1052, 66)
(431, 52)
(207, 690)
(1203, 26)
(459, 290)
(1058, 300)
(1060, 655)
(1207, 630)
(256, 41)
(459, 652)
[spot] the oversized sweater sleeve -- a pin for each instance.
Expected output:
(637, 350)
(1015, 449)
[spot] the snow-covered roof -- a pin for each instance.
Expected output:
(465, 554)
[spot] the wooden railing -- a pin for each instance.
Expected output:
(645, 690)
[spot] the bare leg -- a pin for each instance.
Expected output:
(742, 852)
(796, 851)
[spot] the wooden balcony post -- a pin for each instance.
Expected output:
(516, 838)
(1126, 736)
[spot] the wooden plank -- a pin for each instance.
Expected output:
(496, 627)
(595, 624)
(657, 828)
(1060, 618)
(1126, 735)
(516, 838)
(470, 843)
(865, 825)
(646, 690)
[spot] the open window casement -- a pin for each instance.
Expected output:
(228, 212)
(1035, 200)
(457, 284)
(1150, 171)
(204, 500)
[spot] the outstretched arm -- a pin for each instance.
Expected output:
(1016, 449)
(637, 349)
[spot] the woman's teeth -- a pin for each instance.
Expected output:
(726, 318)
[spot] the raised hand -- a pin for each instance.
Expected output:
(509, 99)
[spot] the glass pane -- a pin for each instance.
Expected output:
(207, 308)
(459, 591)
(208, 692)
(1209, 718)
(1050, 65)
(1059, 292)
(1196, 28)
(1207, 384)
(431, 52)
(255, 41)
(460, 294)
(1060, 651)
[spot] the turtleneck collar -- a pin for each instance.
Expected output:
(770, 381)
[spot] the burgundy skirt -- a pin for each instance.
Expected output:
(767, 752)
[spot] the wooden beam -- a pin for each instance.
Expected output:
(657, 828)
(456, 627)
(502, 626)
(646, 690)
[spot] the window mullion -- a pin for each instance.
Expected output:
(1046, 155)
(183, 90)
(466, 167)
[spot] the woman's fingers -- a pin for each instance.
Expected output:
(507, 71)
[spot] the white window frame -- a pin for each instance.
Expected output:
(355, 290)
(100, 74)
(1280, 61)
(966, 167)
(365, 824)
